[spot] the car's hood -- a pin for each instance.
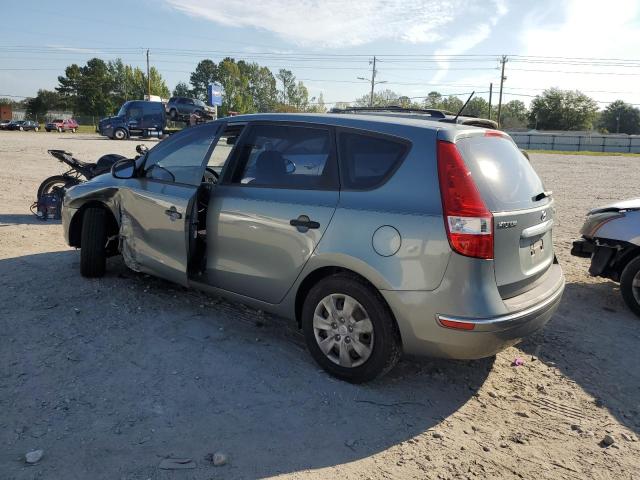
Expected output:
(115, 118)
(632, 204)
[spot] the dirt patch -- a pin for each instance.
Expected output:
(116, 376)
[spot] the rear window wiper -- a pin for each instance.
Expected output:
(542, 195)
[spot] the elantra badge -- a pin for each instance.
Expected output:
(507, 224)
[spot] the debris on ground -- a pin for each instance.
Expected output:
(34, 456)
(608, 440)
(176, 464)
(217, 459)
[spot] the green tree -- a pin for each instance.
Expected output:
(182, 90)
(43, 102)
(477, 107)
(319, 105)
(620, 117)
(433, 100)
(451, 104)
(559, 109)
(514, 115)
(383, 98)
(288, 81)
(206, 72)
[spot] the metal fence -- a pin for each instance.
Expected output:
(577, 142)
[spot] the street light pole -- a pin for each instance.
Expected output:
(373, 81)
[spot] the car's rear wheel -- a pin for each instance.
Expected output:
(21, 129)
(59, 130)
(120, 134)
(630, 285)
(173, 114)
(93, 241)
(73, 130)
(36, 129)
(349, 330)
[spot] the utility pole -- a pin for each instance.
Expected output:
(490, 97)
(373, 81)
(148, 77)
(502, 79)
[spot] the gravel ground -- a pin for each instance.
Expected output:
(111, 377)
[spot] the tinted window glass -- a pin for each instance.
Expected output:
(286, 156)
(504, 176)
(179, 158)
(367, 160)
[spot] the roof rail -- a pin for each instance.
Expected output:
(393, 108)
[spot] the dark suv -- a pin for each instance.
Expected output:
(182, 107)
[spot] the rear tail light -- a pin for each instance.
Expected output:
(468, 222)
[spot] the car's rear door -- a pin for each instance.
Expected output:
(156, 207)
(523, 213)
(268, 213)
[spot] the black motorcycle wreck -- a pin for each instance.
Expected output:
(51, 190)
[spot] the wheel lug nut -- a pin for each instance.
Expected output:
(342, 319)
(334, 325)
(350, 328)
(347, 339)
(338, 337)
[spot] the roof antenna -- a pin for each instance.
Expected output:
(455, 119)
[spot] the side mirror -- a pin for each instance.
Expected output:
(125, 168)
(142, 149)
(291, 167)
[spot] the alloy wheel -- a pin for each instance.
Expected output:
(343, 330)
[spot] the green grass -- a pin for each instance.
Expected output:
(582, 152)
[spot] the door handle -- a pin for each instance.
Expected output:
(303, 223)
(173, 214)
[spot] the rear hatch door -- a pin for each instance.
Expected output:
(523, 211)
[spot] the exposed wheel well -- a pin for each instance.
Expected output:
(317, 275)
(624, 257)
(75, 229)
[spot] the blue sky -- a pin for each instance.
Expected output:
(334, 40)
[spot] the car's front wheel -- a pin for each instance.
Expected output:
(349, 329)
(630, 285)
(93, 242)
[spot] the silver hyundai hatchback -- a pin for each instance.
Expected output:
(378, 234)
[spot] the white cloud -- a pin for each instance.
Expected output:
(340, 23)
(584, 28)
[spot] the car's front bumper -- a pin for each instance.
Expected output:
(67, 218)
(486, 326)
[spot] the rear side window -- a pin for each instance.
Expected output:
(286, 156)
(367, 161)
(504, 176)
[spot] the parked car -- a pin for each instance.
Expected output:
(378, 235)
(59, 125)
(135, 118)
(611, 239)
(24, 125)
(4, 124)
(182, 107)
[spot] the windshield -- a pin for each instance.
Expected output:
(123, 109)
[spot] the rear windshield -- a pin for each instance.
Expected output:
(504, 176)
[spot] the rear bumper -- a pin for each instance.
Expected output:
(421, 320)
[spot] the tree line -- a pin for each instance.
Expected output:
(99, 88)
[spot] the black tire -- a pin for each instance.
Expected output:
(50, 183)
(48, 130)
(120, 134)
(386, 349)
(173, 114)
(626, 285)
(93, 254)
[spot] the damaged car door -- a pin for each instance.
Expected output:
(156, 206)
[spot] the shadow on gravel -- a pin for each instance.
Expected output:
(22, 219)
(120, 371)
(595, 341)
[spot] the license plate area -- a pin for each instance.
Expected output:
(537, 248)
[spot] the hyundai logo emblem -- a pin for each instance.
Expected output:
(543, 216)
